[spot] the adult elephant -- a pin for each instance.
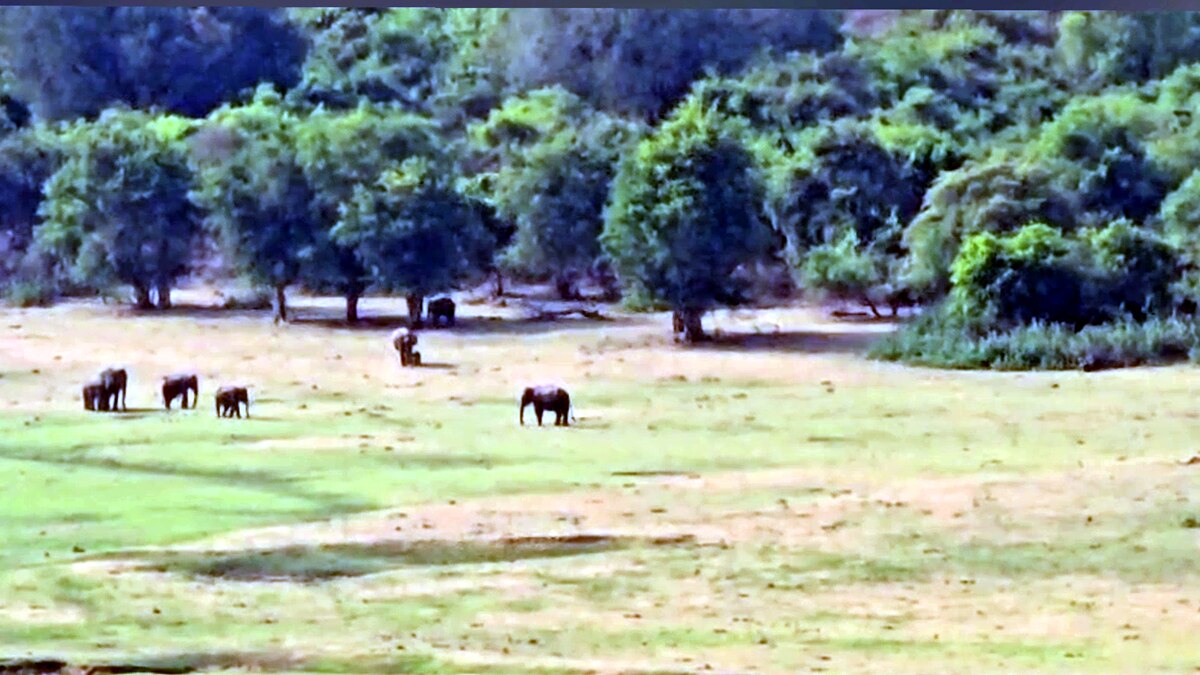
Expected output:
(547, 397)
(175, 386)
(115, 381)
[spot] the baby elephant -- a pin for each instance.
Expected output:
(549, 397)
(404, 340)
(229, 400)
(441, 309)
(95, 396)
(175, 386)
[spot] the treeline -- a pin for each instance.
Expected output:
(1027, 179)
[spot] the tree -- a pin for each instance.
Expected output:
(842, 199)
(26, 162)
(1103, 48)
(425, 60)
(254, 190)
(555, 160)
(793, 91)
(998, 195)
(685, 214)
(338, 151)
(74, 61)
(413, 232)
(384, 55)
(642, 62)
(118, 208)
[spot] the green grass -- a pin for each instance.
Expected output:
(832, 434)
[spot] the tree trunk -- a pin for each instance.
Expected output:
(416, 309)
(873, 308)
(499, 293)
(609, 287)
(164, 296)
(564, 283)
(693, 327)
(280, 304)
(141, 297)
(352, 307)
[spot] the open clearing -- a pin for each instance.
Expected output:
(775, 503)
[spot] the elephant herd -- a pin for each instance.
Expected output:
(107, 392)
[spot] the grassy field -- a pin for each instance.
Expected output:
(775, 503)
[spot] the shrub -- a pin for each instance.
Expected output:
(30, 293)
(937, 340)
(1136, 270)
(1035, 274)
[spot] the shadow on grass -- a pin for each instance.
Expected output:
(190, 311)
(258, 662)
(809, 342)
(169, 664)
(329, 561)
(255, 480)
(128, 414)
(470, 325)
(335, 319)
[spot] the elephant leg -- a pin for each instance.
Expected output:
(538, 410)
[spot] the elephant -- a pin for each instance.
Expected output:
(228, 400)
(403, 340)
(174, 386)
(441, 308)
(547, 397)
(115, 381)
(94, 397)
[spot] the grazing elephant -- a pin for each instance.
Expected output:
(403, 340)
(94, 397)
(545, 398)
(174, 386)
(115, 383)
(441, 308)
(228, 400)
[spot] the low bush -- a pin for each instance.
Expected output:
(938, 340)
(30, 293)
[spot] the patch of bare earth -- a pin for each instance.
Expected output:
(681, 506)
(41, 615)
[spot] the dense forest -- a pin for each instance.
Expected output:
(1029, 182)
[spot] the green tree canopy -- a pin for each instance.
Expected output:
(413, 232)
(338, 151)
(254, 191)
(117, 210)
(75, 61)
(685, 214)
(642, 61)
(554, 161)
